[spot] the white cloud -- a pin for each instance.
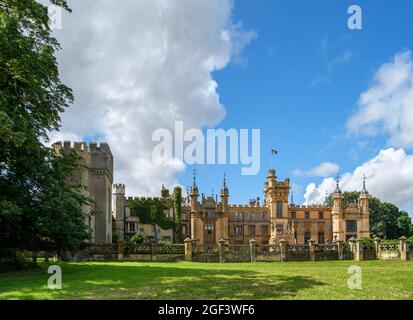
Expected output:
(136, 66)
(387, 106)
(325, 169)
(389, 177)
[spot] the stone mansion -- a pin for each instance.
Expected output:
(210, 219)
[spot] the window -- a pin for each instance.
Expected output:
(280, 228)
(132, 226)
(251, 230)
(264, 231)
(279, 210)
(321, 237)
(351, 226)
(293, 215)
(210, 213)
(264, 217)
(209, 228)
(307, 237)
(321, 215)
(238, 230)
(307, 215)
(238, 216)
(251, 217)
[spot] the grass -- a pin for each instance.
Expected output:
(197, 281)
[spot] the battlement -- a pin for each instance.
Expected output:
(142, 198)
(81, 146)
(309, 207)
(247, 206)
(119, 188)
(102, 147)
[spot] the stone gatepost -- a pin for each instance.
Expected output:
(34, 257)
(403, 248)
(312, 249)
(283, 251)
(188, 249)
(253, 244)
(358, 255)
(340, 249)
(221, 251)
(352, 242)
(377, 241)
(154, 251)
(120, 249)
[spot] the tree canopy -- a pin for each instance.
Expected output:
(38, 208)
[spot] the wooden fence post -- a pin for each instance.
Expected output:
(253, 250)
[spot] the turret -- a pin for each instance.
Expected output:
(276, 199)
(118, 206)
(364, 223)
(364, 198)
(337, 213)
(225, 196)
(337, 198)
(193, 195)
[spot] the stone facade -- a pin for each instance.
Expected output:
(209, 219)
(126, 225)
(96, 174)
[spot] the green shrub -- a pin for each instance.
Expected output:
(367, 241)
(14, 263)
(136, 239)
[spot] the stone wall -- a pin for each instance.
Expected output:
(356, 249)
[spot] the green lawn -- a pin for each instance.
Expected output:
(192, 281)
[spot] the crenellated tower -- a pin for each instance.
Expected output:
(276, 199)
(95, 173)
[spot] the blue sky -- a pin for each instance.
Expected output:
(299, 81)
(326, 97)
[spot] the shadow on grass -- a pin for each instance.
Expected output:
(146, 281)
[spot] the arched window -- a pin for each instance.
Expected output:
(307, 237)
(321, 237)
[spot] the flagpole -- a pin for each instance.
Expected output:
(271, 156)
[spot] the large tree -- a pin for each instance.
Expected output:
(38, 209)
